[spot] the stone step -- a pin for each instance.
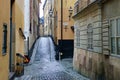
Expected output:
(25, 77)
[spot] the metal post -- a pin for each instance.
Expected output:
(61, 27)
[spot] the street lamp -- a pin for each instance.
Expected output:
(50, 14)
(70, 12)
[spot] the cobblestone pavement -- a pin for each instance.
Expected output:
(68, 66)
(43, 65)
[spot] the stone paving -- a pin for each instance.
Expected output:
(43, 65)
(68, 66)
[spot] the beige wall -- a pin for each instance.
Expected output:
(68, 33)
(17, 22)
(4, 18)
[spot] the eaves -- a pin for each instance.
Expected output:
(82, 10)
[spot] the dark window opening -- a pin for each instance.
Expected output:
(4, 48)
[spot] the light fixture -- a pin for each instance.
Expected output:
(70, 12)
(50, 13)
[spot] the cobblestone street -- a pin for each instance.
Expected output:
(43, 65)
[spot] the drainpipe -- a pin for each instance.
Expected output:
(61, 47)
(61, 24)
(10, 57)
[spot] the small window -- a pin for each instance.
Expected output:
(78, 38)
(4, 48)
(90, 36)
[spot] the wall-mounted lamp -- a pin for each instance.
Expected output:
(50, 13)
(70, 12)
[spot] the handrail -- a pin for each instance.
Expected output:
(20, 55)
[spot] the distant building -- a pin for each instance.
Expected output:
(34, 21)
(96, 45)
(46, 8)
(41, 28)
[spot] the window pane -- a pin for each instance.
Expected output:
(118, 27)
(112, 22)
(118, 46)
(113, 45)
(90, 36)
(77, 37)
(4, 47)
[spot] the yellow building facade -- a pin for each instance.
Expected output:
(4, 21)
(16, 32)
(66, 38)
(12, 39)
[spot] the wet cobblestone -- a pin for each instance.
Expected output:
(54, 76)
(43, 65)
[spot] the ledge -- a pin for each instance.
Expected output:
(77, 14)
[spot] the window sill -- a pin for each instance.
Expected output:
(3, 54)
(115, 55)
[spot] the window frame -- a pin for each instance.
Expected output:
(90, 38)
(116, 37)
(77, 38)
(4, 42)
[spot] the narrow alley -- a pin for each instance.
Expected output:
(43, 65)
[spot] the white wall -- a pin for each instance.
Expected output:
(26, 17)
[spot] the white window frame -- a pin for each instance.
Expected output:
(116, 36)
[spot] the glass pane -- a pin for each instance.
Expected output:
(118, 46)
(118, 27)
(112, 22)
(113, 45)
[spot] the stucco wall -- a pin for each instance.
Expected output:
(68, 34)
(4, 18)
(46, 17)
(19, 23)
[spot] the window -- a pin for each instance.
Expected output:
(34, 4)
(4, 48)
(78, 38)
(30, 29)
(115, 36)
(90, 36)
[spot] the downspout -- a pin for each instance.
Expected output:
(10, 57)
(61, 24)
